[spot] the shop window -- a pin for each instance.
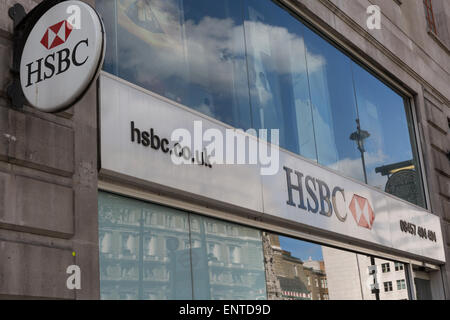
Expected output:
(385, 267)
(145, 261)
(326, 273)
(252, 64)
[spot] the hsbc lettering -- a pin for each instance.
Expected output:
(320, 198)
(316, 196)
(55, 63)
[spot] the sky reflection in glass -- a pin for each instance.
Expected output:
(251, 64)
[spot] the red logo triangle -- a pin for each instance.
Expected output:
(44, 40)
(69, 29)
(55, 28)
(56, 42)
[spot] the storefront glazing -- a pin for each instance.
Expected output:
(149, 251)
(252, 64)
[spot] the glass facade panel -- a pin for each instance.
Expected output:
(143, 252)
(151, 252)
(334, 107)
(390, 158)
(308, 271)
(226, 261)
(190, 51)
(251, 64)
(279, 87)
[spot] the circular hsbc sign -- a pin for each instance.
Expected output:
(62, 56)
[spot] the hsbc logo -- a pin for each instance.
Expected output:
(57, 34)
(317, 197)
(55, 63)
(62, 57)
(362, 212)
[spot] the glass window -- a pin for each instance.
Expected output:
(190, 51)
(399, 266)
(279, 87)
(401, 284)
(237, 272)
(149, 252)
(334, 106)
(388, 150)
(138, 258)
(387, 286)
(252, 64)
(385, 267)
(336, 274)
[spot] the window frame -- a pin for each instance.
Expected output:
(388, 286)
(401, 284)
(399, 266)
(386, 267)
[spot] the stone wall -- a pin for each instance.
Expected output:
(48, 190)
(272, 282)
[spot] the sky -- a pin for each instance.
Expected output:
(301, 249)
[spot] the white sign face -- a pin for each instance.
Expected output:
(301, 192)
(62, 56)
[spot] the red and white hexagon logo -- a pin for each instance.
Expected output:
(362, 212)
(57, 34)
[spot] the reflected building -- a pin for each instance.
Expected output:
(348, 277)
(153, 252)
(316, 279)
(403, 181)
(298, 280)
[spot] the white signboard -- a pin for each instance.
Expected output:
(300, 192)
(62, 56)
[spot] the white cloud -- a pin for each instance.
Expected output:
(209, 53)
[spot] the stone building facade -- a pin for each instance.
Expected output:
(49, 177)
